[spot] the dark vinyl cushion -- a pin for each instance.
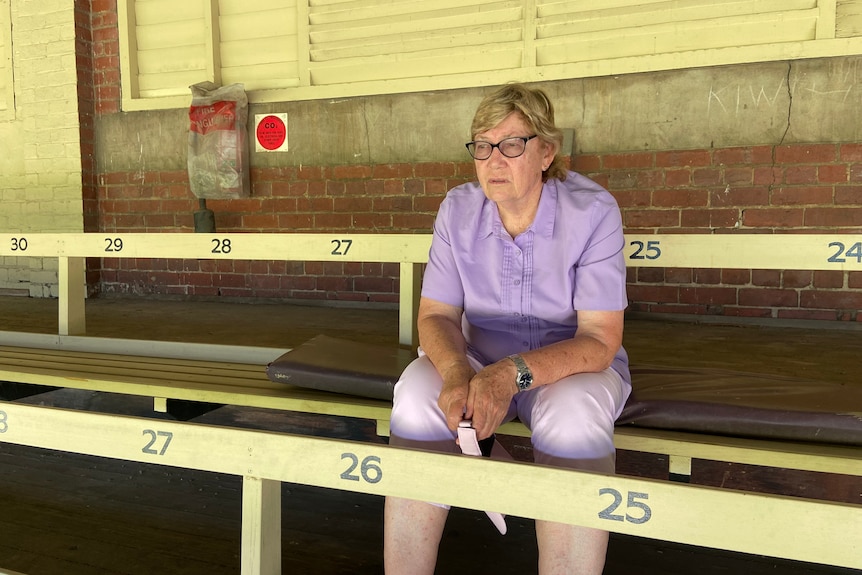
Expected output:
(342, 366)
(709, 401)
(745, 405)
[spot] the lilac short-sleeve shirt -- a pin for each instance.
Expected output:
(523, 294)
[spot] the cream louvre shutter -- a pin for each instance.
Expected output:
(849, 18)
(172, 53)
(576, 31)
(284, 50)
(366, 40)
(259, 43)
(7, 99)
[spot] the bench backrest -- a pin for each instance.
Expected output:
(840, 252)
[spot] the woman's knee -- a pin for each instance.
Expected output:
(572, 421)
(415, 414)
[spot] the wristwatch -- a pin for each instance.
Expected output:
(524, 379)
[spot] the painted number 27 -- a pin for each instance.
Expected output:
(643, 511)
(157, 437)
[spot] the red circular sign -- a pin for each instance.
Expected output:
(271, 132)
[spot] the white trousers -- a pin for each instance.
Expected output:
(571, 421)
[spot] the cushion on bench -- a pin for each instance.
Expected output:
(342, 366)
(710, 401)
(743, 404)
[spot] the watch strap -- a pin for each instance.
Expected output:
(524, 372)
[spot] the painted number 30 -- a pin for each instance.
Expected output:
(642, 514)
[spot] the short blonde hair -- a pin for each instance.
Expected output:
(537, 111)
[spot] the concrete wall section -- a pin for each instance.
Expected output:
(803, 101)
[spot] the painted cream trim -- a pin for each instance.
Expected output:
(694, 515)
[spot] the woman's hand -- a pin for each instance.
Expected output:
(490, 394)
(453, 397)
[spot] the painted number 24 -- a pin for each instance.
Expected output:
(842, 252)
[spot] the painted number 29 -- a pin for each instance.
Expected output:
(369, 468)
(644, 513)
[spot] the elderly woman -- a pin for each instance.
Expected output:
(521, 315)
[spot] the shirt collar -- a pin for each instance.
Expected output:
(490, 222)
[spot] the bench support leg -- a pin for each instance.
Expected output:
(261, 526)
(680, 468)
(408, 303)
(71, 276)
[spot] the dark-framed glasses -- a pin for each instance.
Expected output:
(510, 147)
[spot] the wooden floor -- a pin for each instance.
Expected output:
(65, 514)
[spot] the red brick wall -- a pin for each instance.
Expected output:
(810, 188)
(738, 190)
(399, 198)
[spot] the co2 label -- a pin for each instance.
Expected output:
(158, 442)
(641, 512)
(369, 468)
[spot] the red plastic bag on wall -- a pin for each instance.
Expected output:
(218, 141)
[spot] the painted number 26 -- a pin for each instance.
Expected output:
(369, 468)
(643, 511)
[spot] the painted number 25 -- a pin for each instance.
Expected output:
(645, 250)
(643, 513)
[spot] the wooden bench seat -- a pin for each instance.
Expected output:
(211, 382)
(238, 383)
